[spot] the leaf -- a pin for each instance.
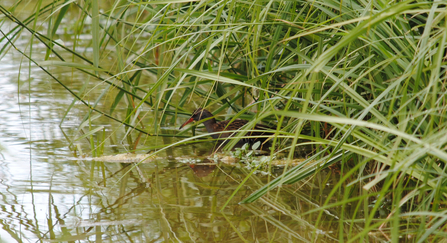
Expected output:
(69, 64)
(256, 145)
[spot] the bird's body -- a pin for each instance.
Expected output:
(212, 126)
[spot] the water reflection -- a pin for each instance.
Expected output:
(202, 170)
(164, 201)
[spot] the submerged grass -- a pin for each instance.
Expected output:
(363, 82)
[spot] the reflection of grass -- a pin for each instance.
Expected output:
(362, 83)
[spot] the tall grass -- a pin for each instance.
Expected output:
(363, 82)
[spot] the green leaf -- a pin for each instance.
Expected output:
(256, 145)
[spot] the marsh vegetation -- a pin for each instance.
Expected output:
(358, 84)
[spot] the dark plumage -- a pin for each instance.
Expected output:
(213, 126)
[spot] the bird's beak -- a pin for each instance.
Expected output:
(188, 121)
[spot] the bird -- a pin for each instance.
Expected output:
(212, 126)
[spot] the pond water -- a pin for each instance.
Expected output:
(51, 192)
